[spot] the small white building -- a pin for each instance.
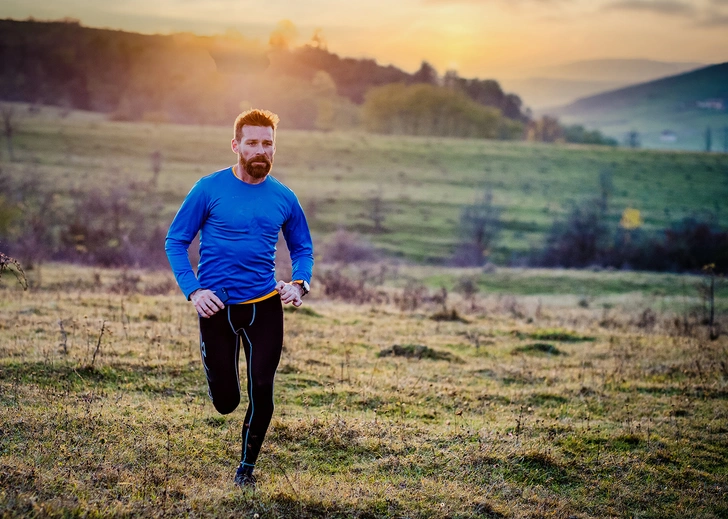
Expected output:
(712, 104)
(668, 136)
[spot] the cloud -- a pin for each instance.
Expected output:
(713, 19)
(667, 7)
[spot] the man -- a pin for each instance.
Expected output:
(239, 212)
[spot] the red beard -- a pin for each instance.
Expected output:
(257, 171)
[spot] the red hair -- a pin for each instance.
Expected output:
(254, 117)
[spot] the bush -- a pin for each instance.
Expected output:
(345, 247)
(578, 241)
(585, 239)
(480, 225)
(338, 285)
(578, 134)
(107, 229)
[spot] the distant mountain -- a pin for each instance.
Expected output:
(673, 112)
(541, 93)
(562, 84)
(625, 71)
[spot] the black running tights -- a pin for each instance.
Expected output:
(259, 327)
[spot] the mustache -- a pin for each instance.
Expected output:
(259, 158)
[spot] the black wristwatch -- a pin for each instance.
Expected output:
(304, 285)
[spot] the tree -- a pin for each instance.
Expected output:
(578, 240)
(423, 109)
(318, 40)
(10, 124)
(377, 211)
(487, 92)
(633, 139)
(578, 134)
(156, 162)
(426, 74)
(708, 139)
(546, 129)
(283, 35)
(480, 225)
(606, 187)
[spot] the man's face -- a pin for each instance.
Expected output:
(256, 150)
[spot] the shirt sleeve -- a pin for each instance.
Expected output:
(185, 226)
(298, 240)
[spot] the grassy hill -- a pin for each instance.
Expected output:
(669, 104)
(422, 183)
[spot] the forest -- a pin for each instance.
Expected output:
(190, 79)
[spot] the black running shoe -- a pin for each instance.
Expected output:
(244, 479)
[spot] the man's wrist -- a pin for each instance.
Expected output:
(303, 285)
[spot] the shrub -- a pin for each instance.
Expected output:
(579, 240)
(345, 247)
(480, 225)
(584, 239)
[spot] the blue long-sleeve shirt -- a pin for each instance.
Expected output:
(239, 225)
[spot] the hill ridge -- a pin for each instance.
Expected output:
(721, 68)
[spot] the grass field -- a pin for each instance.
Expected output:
(423, 183)
(689, 127)
(531, 405)
(543, 393)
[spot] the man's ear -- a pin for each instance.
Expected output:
(234, 146)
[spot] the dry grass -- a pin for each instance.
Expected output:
(627, 420)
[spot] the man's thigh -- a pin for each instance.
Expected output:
(264, 340)
(219, 349)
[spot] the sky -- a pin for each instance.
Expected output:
(478, 38)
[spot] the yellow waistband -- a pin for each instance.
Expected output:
(262, 298)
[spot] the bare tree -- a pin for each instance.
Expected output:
(708, 139)
(480, 225)
(156, 162)
(426, 74)
(10, 126)
(633, 139)
(377, 211)
(606, 186)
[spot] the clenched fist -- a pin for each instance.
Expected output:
(290, 293)
(206, 302)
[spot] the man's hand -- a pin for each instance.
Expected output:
(206, 302)
(290, 293)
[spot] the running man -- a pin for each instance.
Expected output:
(239, 212)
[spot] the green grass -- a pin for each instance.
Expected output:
(522, 410)
(424, 182)
(561, 281)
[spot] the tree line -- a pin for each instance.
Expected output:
(185, 78)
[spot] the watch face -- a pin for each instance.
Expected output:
(306, 287)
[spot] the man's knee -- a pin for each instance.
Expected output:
(225, 405)
(262, 388)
